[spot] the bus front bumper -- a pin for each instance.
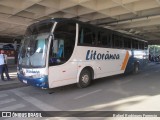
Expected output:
(37, 82)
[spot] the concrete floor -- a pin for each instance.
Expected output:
(14, 82)
(132, 92)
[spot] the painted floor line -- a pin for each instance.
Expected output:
(3, 95)
(126, 81)
(13, 107)
(39, 104)
(7, 101)
(88, 94)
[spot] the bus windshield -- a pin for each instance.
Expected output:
(34, 50)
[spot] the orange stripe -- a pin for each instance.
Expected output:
(125, 61)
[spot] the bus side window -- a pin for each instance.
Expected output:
(145, 45)
(104, 39)
(62, 46)
(141, 45)
(81, 37)
(127, 43)
(117, 41)
(134, 44)
(86, 36)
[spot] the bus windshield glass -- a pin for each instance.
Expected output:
(33, 51)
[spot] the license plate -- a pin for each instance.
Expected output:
(25, 81)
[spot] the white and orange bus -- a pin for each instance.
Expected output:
(58, 52)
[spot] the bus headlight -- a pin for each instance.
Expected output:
(38, 76)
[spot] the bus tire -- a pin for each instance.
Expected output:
(84, 79)
(136, 68)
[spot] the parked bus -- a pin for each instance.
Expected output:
(58, 52)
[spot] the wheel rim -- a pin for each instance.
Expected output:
(85, 78)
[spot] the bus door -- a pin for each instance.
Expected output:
(62, 67)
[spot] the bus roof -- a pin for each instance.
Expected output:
(52, 20)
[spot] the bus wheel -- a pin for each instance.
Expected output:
(136, 68)
(84, 79)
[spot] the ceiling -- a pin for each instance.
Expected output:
(137, 17)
